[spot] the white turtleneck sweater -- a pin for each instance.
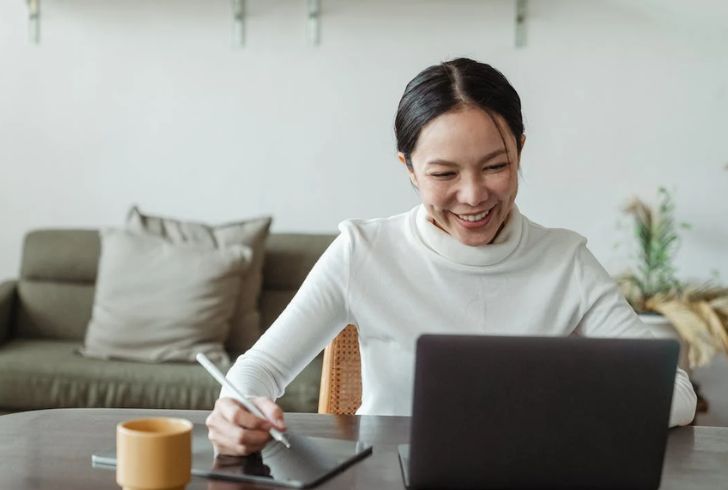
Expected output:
(399, 277)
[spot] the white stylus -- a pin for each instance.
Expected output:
(252, 408)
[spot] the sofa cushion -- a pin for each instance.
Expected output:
(56, 286)
(44, 296)
(7, 305)
(61, 255)
(288, 260)
(245, 328)
(53, 309)
(158, 301)
(38, 374)
(272, 304)
(290, 257)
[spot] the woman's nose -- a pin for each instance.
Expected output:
(473, 191)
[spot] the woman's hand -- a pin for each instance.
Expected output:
(235, 431)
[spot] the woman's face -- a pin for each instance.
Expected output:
(466, 176)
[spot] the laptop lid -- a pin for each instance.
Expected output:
(536, 412)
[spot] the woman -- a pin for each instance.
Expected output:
(464, 261)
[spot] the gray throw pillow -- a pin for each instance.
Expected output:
(158, 301)
(245, 328)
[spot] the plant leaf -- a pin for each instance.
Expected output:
(691, 328)
(714, 323)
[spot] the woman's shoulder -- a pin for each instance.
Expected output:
(543, 237)
(374, 227)
(376, 236)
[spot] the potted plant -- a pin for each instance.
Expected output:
(696, 314)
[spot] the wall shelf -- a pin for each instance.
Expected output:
(238, 22)
(33, 21)
(521, 13)
(313, 22)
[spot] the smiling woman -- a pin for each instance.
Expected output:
(460, 133)
(466, 173)
(465, 261)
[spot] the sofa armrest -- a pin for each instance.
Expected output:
(7, 305)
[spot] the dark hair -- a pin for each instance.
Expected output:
(441, 88)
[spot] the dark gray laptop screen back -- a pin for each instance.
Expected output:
(533, 412)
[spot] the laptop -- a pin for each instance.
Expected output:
(535, 412)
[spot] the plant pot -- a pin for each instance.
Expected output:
(663, 329)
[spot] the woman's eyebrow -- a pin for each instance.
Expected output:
(493, 154)
(489, 156)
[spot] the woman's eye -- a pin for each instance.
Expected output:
(443, 175)
(495, 168)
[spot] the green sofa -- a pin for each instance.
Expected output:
(43, 319)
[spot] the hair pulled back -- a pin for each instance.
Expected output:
(444, 87)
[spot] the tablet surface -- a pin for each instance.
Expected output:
(309, 461)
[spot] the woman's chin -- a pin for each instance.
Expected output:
(471, 234)
(473, 238)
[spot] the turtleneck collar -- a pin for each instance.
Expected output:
(450, 248)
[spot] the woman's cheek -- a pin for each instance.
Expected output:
(437, 194)
(505, 186)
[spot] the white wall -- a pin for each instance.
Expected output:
(147, 102)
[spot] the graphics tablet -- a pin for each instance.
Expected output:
(309, 461)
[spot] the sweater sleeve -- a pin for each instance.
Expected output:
(316, 314)
(607, 314)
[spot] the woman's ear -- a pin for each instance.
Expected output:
(410, 171)
(402, 158)
(523, 143)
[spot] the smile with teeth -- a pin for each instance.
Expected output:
(474, 217)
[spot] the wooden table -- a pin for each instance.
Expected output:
(51, 449)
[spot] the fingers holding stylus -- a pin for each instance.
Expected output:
(235, 431)
(236, 413)
(271, 411)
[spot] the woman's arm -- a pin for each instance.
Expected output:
(318, 311)
(607, 314)
(316, 314)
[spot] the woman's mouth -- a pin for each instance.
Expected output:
(474, 220)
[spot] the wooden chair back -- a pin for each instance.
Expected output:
(341, 374)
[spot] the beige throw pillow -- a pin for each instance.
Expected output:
(245, 328)
(157, 301)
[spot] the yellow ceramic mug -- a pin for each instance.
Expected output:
(154, 453)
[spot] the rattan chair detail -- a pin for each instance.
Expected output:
(341, 374)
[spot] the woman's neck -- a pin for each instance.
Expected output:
(434, 222)
(438, 240)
